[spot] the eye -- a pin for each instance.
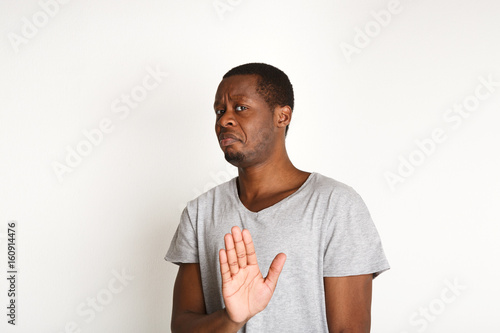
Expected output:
(241, 108)
(219, 112)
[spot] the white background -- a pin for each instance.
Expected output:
(355, 117)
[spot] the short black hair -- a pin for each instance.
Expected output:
(273, 84)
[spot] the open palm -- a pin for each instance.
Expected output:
(244, 289)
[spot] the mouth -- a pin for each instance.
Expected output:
(226, 139)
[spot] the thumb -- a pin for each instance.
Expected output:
(275, 271)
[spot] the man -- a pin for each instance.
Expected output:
(318, 226)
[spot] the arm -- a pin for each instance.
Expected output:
(188, 310)
(348, 303)
(244, 289)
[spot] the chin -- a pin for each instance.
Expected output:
(235, 159)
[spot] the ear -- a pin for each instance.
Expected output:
(282, 116)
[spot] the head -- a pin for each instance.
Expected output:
(273, 84)
(253, 112)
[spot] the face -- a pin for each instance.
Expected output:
(245, 125)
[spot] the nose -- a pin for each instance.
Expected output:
(227, 119)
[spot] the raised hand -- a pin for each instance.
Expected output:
(244, 289)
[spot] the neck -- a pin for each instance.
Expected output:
(275, 175)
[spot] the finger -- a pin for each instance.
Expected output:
(231, 254)
(249, 247)
(275, 270)
(224, 266)
(239, 245)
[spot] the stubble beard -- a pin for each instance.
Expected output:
(249, 157)
(234, 158)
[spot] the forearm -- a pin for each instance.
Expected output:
(192, 322)
(364, 329)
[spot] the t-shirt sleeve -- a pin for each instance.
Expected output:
(353, 245)
(184, 245)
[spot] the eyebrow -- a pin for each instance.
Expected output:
(237, 97)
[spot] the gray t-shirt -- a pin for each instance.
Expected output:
(324, 228)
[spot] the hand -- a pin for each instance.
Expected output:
(244, 290)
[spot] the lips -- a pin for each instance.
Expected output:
(226, 139)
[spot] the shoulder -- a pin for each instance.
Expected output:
(332, 187)
(337, 197)
(216, 194)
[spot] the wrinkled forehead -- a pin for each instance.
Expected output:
(237, 86)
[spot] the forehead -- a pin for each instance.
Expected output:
(237, 86)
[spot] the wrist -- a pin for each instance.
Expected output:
(234, 323)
